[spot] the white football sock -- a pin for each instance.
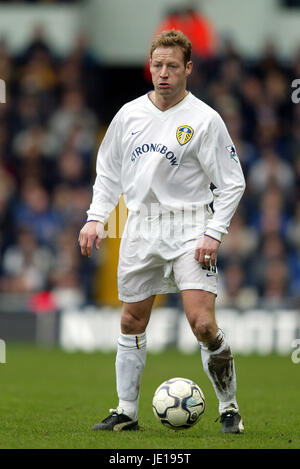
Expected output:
(218, 364)
(130, 362)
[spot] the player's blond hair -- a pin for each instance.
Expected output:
(173, 38)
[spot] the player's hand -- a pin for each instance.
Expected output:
(92, 232)
(207, 247)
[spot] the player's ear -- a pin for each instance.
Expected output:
(188, 68)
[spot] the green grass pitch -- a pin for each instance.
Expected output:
(51, 399)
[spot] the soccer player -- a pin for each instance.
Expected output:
(162, 151)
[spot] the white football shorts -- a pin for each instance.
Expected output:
(140, 277)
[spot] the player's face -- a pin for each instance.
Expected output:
(169, 72)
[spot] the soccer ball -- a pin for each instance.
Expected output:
(178, 403)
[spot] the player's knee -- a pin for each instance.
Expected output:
(131, 324)
(204, 329)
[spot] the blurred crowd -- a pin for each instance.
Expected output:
(260, 259)
(48, 140)
(49, 132)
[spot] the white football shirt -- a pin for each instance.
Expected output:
(170, 158)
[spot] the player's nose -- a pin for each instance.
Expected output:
(164, 71)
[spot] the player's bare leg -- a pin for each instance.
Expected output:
(218, 362)
(130, 362)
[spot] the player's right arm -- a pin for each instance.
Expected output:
(106, 190)
(92, 232)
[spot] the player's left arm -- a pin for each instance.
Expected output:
(219, 160)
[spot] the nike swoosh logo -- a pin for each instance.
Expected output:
(133, 133)
(210, 275)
